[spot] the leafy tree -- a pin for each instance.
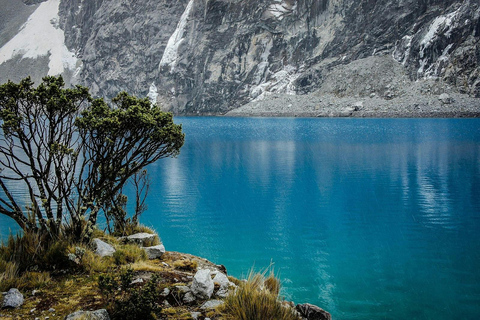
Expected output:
(74, 154)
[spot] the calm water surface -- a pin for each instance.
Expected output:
(367, 218)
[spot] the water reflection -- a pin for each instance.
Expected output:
(372, 219)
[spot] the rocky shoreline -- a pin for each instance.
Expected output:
(374, 87)
(189, 287)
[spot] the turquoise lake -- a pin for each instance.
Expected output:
(367, 218)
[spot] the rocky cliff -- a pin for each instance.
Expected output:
(212, 56)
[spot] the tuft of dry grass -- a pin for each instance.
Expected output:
(10, 277)
(257, 299)
(146, 266)
(186, 265)
(94, 264)
(129, 253)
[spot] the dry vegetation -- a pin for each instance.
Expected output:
(67, 277)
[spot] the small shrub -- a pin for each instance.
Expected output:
(56, 256)
(130, 303)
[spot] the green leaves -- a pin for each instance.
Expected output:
(78, 151)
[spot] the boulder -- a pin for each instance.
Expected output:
(13, 299)
(103, 249)
(445, 98)
(221, 279)
(142, 239)
(358, 105)
(211, 304)
(155, 252)
(312, 312)
(202, 286)
(224, 283)
(101, 314)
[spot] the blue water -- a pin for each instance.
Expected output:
(367, 218)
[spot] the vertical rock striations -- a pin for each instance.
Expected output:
(211, 56)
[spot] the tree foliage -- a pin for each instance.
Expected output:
(74, 154)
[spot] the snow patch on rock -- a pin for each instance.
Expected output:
(170, 55)
(41, 36)
(280, 82)
(279, 9)
(153, 94)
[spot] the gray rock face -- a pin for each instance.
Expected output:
(312, 312)
(203, 57)
(202, 285)
(13, 299)
(155, 252)
(103, 249)
(101, 314)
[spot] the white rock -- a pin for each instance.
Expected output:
(195, 315)
(13, 299)
(358, 105)
(155, 252)
(445, 98)
(202, 286)
(138, 280)
(222, 280)
(211, 304)
(188, 298)
(101, 314)
(103, 249)
(141, 238)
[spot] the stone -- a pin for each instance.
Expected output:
(13, 299)
(138, 280)
(165, 292)
(142, 239)
(211, 304)
(222, 293)
(103, 249)
(222, 280)
(182, 289)
(202, 285)
(189, 298)
(358, 105)
(312, 312)
(155, 252)
(101, 314)
(445, 98)
(389, 95)
(195, 315)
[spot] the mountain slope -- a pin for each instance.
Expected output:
(212, 56)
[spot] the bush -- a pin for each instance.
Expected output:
(131, 302)
(257, 299)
